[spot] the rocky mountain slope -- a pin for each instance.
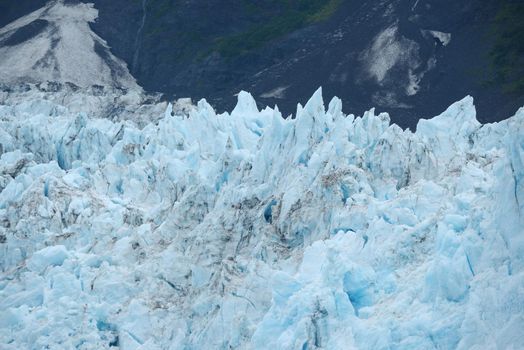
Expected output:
(52, 54)
(55, 43)
(410, 58)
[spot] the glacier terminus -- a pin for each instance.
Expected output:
(245, 230)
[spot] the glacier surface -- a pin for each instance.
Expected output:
(250, 231)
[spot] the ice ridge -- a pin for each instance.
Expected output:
(250, 231)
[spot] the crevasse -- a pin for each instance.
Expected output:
(250, 231)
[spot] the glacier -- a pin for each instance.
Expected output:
(245, 230)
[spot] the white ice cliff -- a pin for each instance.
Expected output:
(250, 231)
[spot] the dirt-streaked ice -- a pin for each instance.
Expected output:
(249, 231)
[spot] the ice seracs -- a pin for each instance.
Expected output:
(247, 230)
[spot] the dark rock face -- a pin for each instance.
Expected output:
(12, 10)
(26, 32)
(410, 58)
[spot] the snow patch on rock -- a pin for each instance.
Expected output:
(55, 43)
